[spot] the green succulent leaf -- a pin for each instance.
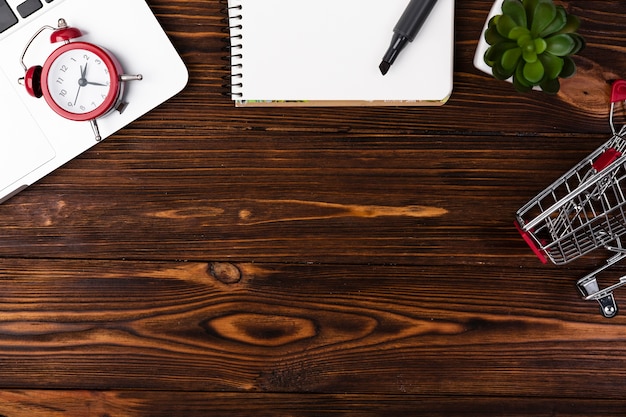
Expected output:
(533, 71)
(529, 52)
(505, 24)
(550, 86)
(510, 59)
(580, 43)
(529, 56)
(524, 39)
(543, 15)
(492, 36)
(521, 87)
(515, 9)
(530, 5)
(561, 45)
(552, 64)
(519, 81)
(500, 72)
(490, 58)
(540, 45)
(519, 32)
(569, 67)
(572, 25)
(558, 23)
(494, 53)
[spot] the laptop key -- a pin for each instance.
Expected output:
(7, 17)
(29, 7)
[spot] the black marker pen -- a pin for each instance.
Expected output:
(406, 30)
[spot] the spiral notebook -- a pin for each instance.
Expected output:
(327, 53)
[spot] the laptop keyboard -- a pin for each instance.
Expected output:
(9, 17)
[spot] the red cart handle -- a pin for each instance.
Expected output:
(538, 252)
(618, 93)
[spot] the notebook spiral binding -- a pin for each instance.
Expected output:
(233, 81)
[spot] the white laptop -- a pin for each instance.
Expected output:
(34, 140)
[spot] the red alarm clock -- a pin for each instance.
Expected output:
(79, 80)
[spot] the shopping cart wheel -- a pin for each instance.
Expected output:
(608, 306)
(588, 286)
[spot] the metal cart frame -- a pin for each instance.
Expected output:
(583, 210)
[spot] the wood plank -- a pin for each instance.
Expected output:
(305, 199)
(190, 404)
(238, 327)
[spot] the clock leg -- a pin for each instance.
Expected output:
(128, 77)
(121, 107)
(96, 131)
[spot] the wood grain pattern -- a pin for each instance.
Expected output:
(163, 404)
(264, 328)
(208, 260)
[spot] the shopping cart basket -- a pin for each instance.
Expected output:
(583, 210)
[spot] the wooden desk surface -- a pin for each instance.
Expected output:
(209, 260)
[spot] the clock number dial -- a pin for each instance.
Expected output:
(79, 81)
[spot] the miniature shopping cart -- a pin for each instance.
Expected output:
(584, 210)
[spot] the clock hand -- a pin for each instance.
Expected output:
(77, 92)
(83, 78)
(81, 81)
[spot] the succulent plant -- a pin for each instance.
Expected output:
(532, 41)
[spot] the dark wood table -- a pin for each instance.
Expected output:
(209, 260)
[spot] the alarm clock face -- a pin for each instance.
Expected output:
(80, 81)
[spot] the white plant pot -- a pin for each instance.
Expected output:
(479, 61)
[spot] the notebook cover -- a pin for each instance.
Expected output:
(301, 53)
